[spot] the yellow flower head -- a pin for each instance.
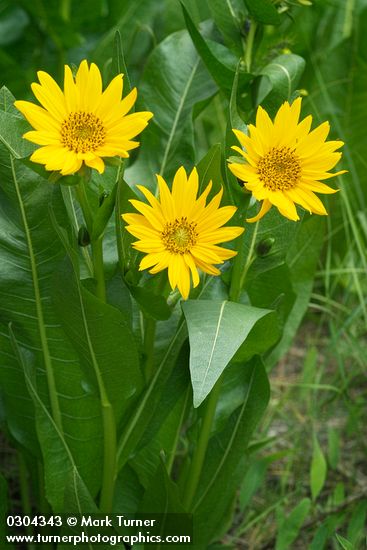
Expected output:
(82, 123)
(180, 232)
(284, 161)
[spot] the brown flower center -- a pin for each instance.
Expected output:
(82, 132)
(279, 169)
(179, 236)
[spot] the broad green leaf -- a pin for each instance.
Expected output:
(302, 256)
(13, 126)
(262, 338)
(318, 469)
(102, 338)
(280, 79)
(223, 468)
(263, 11)
(289, 528)
(167, 142)
(272, 289)
(151, 304)
(118, 65)
(227, 18)
(128, 491)
(136, 424)
(210, 169)
(30, 252)
(59, 466)
(220, 73)
(127, 18)
(214, 342)
(163, 432)
(162, 494)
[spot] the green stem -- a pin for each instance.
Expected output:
(235, 287)
(200, 451)
(109, 456)
(241, 266)
(185, 408)
(98, 268)
(108, 418)
(97, 244)
(149, 338)
(249, 45)
(150, 327)
(55, 409)
(84, 204)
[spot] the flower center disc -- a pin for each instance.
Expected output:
(279, 169)
(179, 236)
(82, 132)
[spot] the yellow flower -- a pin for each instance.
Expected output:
(82, 123)
(284, 161)
(180, 232)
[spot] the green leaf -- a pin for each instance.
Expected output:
(262, 337)
(302, 256)
(209, 169)
(152, 305)
(280, 79)
(30, 252)
(13, 126)
(254, 478)
(263, 11)
(234, 122)
(220, 73)
(272, 289)
(3, 506)
(61, 472)
(103, 214)
(162, 494)
(128, 19)
(102, 338)
(344, 543)
(227, 18)
(326, 530)
(163, 431)
(357, 523)
(118, 65)
(223, 468)
(135, 426)
(290, 526)
(214, 343)
(127, 254)
(168, 139)
(318, 469)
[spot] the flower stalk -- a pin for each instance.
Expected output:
(200, 451)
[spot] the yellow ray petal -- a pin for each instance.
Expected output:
(168, 207)
(71, 92)
(265, 207)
